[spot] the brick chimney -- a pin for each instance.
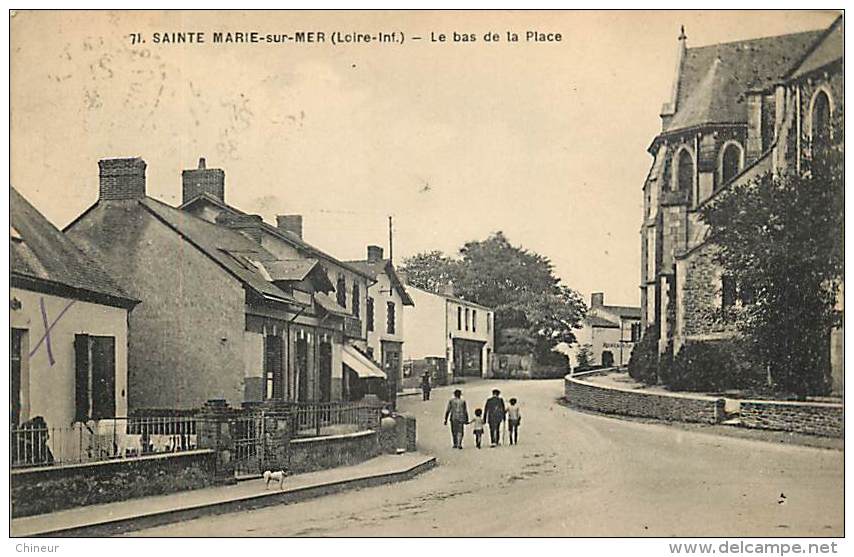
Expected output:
(375, 253)
(290, 223)
(202, 180)
(597, 299)
(248, 225)
(121, 179)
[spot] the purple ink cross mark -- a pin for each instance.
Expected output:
(47, 328)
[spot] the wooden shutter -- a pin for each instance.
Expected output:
(103, 377)
(273, 367)
(81, 381)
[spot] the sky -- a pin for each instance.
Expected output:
(545, 141)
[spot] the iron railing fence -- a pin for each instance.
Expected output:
(315, 419)
(104, 439)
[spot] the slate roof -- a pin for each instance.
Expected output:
(290, 270)
(601, 322)
(40, 254)
(285, 235)
(624, 311)
(714, 79)
(230, 249)
(376, 268)
(827, 50)
(327, 303)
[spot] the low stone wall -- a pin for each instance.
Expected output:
(53, 488)
(629, 402)
(319, 453)
(813, 418)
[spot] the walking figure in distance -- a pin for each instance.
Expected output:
(477, 421)
(514, 418)
(425, 386)
(494, 413)
(459, 416)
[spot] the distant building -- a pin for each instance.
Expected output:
(737, 110)
(69, 329)
(447, 336)
(384, 316)
(609, 332)
(232, 307)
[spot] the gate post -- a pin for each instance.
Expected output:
(213, 431)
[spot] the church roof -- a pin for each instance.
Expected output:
(713, 79)
(827, 50)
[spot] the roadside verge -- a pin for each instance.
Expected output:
(127, 516)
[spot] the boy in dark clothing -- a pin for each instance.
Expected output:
(494, 414)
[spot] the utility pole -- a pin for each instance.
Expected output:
(390, 241)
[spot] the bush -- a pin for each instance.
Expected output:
(643, 364)
(711, 366)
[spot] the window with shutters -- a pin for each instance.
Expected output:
(369, 311)
(636, 332)
(273, 367)
(356, 307)
(95, 377)
(15, 366)
(390, 318)
(341, 291)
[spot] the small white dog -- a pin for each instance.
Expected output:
(277, 476)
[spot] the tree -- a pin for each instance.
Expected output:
(780, 240)
(431, 270)
(584, 357)
(534, 312)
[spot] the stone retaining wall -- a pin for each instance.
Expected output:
(813, 418)
(319, 453)
(53, 488)
(630, 402)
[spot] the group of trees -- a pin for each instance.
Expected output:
(780, 241)
(534, 311)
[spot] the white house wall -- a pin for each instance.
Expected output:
(49, 390)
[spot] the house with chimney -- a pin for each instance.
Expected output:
(231, 307)
(608, 332)
(384, 312)
(737, 111)
(203, 195)
(447, 337)
(68, 337)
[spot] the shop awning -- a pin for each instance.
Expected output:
(361, 364)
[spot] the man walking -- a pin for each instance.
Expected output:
(494, 413)
(459, 415)
(425, 386)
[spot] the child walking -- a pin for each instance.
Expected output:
(514, 418)
(478, 426)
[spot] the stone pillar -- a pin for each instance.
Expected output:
(277, 441)
(213, 431)
(410, 423)
(388, 435)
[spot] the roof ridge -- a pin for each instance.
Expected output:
(754, 40)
